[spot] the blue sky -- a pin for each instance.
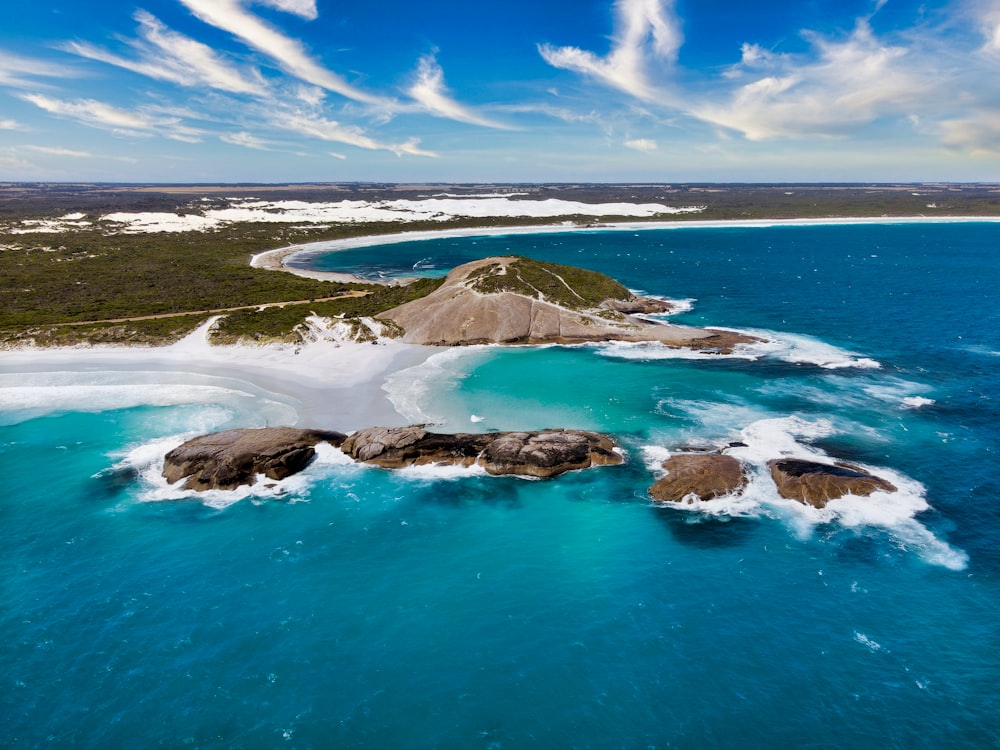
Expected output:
(519, 90)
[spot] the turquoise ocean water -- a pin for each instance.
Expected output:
(360, 608)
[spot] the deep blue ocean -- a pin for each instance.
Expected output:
(369, 609)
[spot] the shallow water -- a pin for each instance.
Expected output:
(354, 607)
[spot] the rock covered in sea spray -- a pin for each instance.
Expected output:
(226, 460)
(815, 483)
(705, 476)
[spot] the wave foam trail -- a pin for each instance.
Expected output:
(797, 349)
(788, 437)
(409, 390)
(786, 347)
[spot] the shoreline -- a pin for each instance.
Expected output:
(328, 384)
(274, 260)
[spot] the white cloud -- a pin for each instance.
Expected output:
(316, 126)
(125, 122)
(642, 144)
(168, 56)
(979, 134)
(59, 151)
(989, 23)
(290, 54)
(839, 87)
(20, 72)
(11, 125)
(646, 31)
(302, 8)
(246, 140)
(429, 89)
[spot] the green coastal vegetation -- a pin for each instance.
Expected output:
(567, 286)
(97, 284)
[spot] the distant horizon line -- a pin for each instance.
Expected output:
(645, 183)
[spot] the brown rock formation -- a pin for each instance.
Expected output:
(538, 454)
(703, 475)
(546, 454)
(226, 460)
(395, 447)
(815, 483)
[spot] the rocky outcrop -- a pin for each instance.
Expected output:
(511, 300)
(815, 483)
(699, 475)
(537, 454)
(226, 460)
(546, 454)
(395, 447)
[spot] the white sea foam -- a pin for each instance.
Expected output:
(894, 513)
(653, 350)
(867, 642)
(409, 390)
(915, 402)
(51, 392)
(806, 350)
(785, 347)
(435, 472)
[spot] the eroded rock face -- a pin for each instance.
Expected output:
(537, 454)
(546, 454)
(395, 447)
(226, 460)
(815, 483)
(705, 476)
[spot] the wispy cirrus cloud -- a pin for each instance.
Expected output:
(6, 124)
(19, 72)
(122, 121)
(59, 151)
(290, 54)
(317, 126)
(246, 140)
(647, 33)
(166, 55)
(430, 91)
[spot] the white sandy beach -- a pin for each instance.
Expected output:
(327, 384)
